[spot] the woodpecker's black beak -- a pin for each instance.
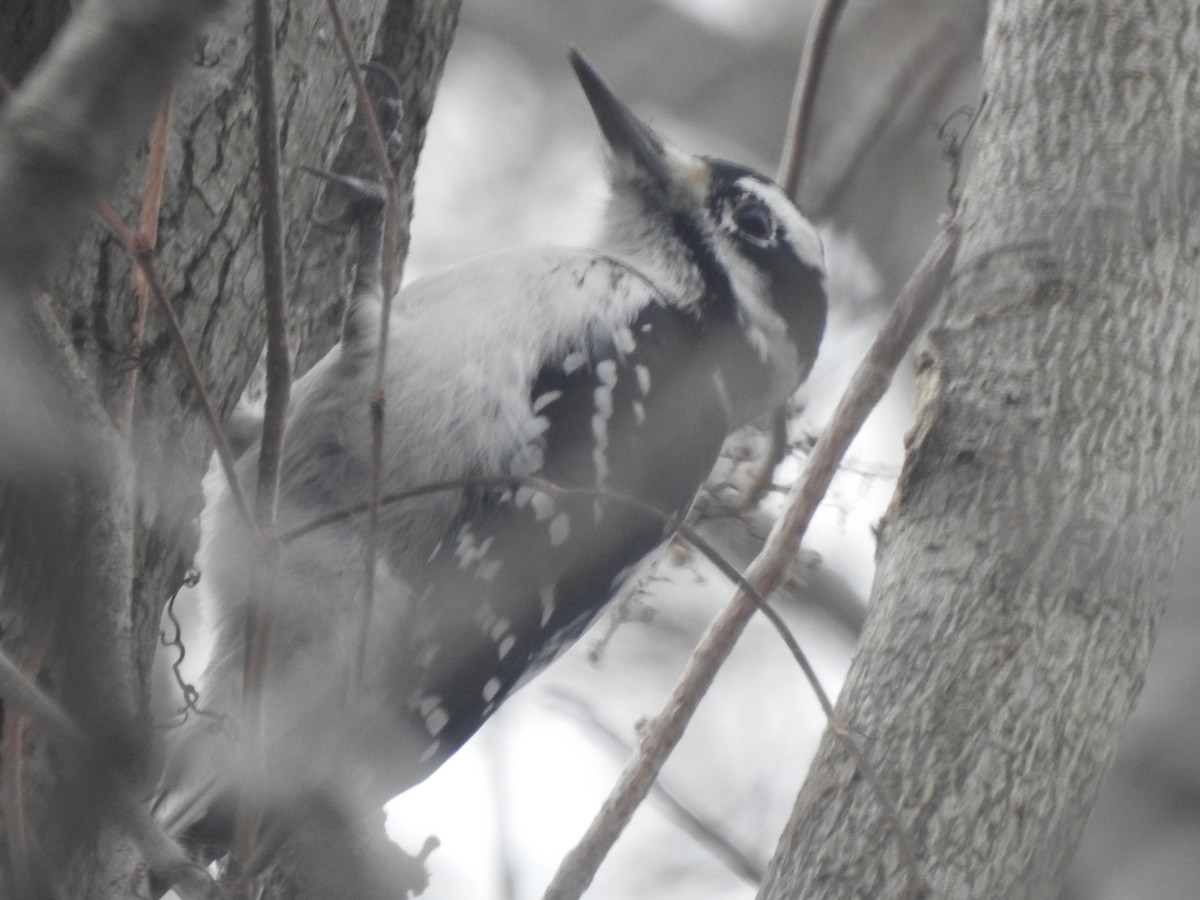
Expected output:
(629, 137)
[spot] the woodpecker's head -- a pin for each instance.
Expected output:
(721, 237)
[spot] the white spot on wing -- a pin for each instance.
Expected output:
(600, 430)
(489, 570)
(428, 705)
(436, 721)
(543, 506)
(643, 378)
(547, 597)
(506, 646)
(602, 397)
(491, 689)
(467, 550)
(560, 530)
(430, 751)
(543, 400)
(639, 412)
(500, 629)
(600, 461)
(573, 361)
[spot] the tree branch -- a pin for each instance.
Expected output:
(184, 351)
(812, 61)
(279, 379)
(147, 240)
(377, 399)
(912, 308)
(791, 163)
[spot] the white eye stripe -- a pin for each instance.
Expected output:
(794, 228)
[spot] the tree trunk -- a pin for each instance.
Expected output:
(93, 540)
(1023, 565)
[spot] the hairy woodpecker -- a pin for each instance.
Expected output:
(619, 368)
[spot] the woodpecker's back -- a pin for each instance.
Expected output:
(618, 370)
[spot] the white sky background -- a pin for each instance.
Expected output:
(513, 159)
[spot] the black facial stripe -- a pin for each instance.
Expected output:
(719, 301)
(797, 286)
(726, 174)
(798, 292)
(739, 362)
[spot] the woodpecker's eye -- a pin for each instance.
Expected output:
(753, 219)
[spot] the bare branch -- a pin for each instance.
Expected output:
(911, 310)
(804, 99)
(739, 861)
(147, 240)
(279, 379)
(791, 164)
(184, 352)
(377, 399)
(279, 375)
(21, 693)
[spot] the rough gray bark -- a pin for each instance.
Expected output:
(95, 539)
(1024, 563)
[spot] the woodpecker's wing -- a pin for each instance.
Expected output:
(632, 406)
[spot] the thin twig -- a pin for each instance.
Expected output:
(228, 464)
(791, 164)
(279, 379)
(874, 374)
(377, 399)
(763, 477)
(739, 861)
(23, 694)
(278, 374)
(804, 98)
(12, 751)
(147, 241)
(559, 492)
(187, 690)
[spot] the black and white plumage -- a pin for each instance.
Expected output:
(621, 368)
